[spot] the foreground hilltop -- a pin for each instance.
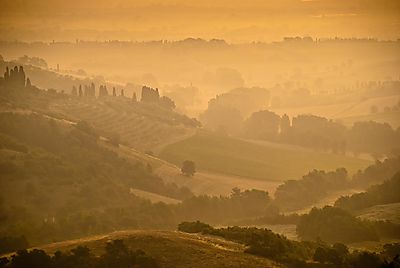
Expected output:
(173, 249)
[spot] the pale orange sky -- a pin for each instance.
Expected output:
(232, 20)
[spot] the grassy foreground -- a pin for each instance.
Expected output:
(173, 249)
(261, 161)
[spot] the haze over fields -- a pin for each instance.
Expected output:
(234, 21)
(200, 133)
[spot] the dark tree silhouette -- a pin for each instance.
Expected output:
(74, 91)
(28, 83)
(150, 95)
(262, 125)
(285, 123)
(188, 168)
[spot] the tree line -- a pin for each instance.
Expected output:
(116, 254)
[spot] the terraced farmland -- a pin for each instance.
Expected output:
(142, 126)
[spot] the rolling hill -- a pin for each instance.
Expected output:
(236, 157)
(173, 249)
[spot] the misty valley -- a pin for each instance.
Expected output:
(215, 144)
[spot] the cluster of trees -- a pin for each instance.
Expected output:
(375, 138)
(116, 254)
(264, 125)
(296, 194)
(90, 91)
(261, 242)
(376, 173)
(314, 132)
(16, 77)
(385, 193)
(239, 205)
(333, 224)
(151, 95)
(320, 133)
(338, 255)
(298, 254)
(225, 112)
(310, 131)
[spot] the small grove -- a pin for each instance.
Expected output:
(265, 243)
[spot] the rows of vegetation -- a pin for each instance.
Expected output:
(265, 243)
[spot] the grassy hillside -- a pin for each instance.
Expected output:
(236, 157)
(389, 212)
(174, 249)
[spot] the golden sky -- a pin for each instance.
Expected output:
(232, 20)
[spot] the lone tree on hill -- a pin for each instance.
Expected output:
(188, 168)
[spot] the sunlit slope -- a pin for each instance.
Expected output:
(174, 249)
(262, 161)
(389, 212)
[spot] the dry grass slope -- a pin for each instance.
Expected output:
(174, 249)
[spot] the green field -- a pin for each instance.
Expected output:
(261, 161)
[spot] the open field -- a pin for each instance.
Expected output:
(236, 157)
(203, 182)
(173, 249)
